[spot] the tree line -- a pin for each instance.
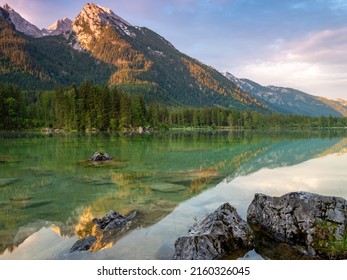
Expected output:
(90, 106)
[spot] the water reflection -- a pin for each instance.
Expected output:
(169, 178)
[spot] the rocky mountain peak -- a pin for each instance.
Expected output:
(21, 24)
(230, 76)
(102, 15)
(4, 15)
(342, 101)
(60, 26)
(90, 21)
(7, 7)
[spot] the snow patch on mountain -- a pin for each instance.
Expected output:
(286, 100)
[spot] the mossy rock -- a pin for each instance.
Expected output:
(328, 243)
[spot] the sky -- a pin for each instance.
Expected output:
(288, 43)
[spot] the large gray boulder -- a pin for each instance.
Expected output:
(217, 234)
(313, 224)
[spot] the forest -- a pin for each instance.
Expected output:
(97, 107)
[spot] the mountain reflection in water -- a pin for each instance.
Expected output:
(50, 192)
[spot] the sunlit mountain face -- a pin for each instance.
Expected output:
(102, 47)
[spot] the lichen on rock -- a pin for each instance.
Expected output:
(217, 234)
(312, 223)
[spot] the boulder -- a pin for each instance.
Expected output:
(100, 157)
(107, 230)
(216, 235)
(83, 244)
(313, 224)
(113, 220)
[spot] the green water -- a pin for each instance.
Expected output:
(49, 190)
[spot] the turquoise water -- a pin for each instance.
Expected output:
(50, 191)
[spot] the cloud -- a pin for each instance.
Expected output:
(299, 6)
(328, 47)
(323, 175)
(339, 5)
(316, 62)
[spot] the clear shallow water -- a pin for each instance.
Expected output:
(49, 191)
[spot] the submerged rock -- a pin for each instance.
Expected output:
(113, 220)
(7, 181)
(100, 157)
(217, 234)
(313, 224)
(83, 244)
(167, 187)
(106, 230)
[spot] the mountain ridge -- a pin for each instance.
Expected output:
(291, 101)
(42, 63)
(21, 24)
(100, 46)
(60, 26)
(143, 61)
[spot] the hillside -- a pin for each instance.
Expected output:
(46, 62)
(290, 101)
(104, 48)
(101, 47)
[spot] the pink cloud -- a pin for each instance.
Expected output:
(326, 47)
(316, 64)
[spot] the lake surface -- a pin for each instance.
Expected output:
(50, 191)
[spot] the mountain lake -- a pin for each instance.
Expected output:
(50, 191)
